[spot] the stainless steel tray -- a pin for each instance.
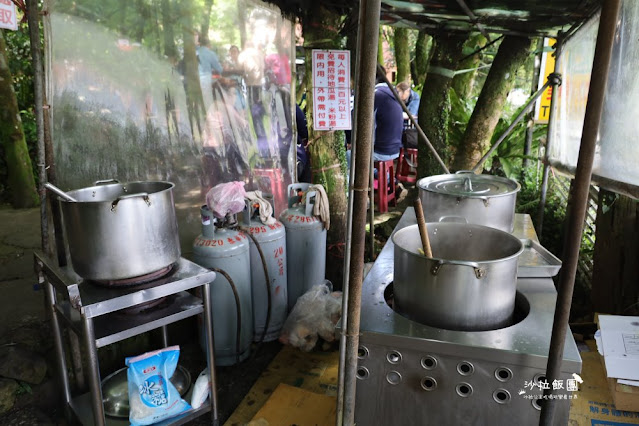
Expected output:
(536, 261)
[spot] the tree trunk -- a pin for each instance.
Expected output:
(614, 277)
(327, 149)
(20, 178)
(421, 58)
(167, 30)
(194, 99)
(479, 131)
(206, 23)
(434, 107)
(463, 83)
(402, 54)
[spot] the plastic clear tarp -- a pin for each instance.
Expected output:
(617, 150)
(146, 90)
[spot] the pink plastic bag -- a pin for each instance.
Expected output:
(226, 198)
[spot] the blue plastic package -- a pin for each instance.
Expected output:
(152, 396)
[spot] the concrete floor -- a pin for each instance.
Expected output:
(19, 237)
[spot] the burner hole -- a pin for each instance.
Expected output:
(501, 396)
(464, 390)
(362, 352)
(465, 368)
(537, 403)
(429, 383)
(503, 374)
(540, 379)
(429, 362)
(394, 378)
(394, 357)
(362, 373)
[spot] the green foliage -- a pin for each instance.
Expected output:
(19, 60)
(460, 112)
(23, 388)
(507, 160)
(554, 210)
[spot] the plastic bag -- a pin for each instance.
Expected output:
(201, 389)
(314, 315)
(152, 396)
(226, 198)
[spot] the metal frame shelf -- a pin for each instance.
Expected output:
(95, 313)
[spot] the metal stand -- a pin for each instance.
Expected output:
(91, 311)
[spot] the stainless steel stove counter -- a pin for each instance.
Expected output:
(105, 315)
(409, 373)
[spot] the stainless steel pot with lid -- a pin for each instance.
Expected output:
(117, 231)
(469, 198)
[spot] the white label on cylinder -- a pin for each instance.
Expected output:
(206, 220)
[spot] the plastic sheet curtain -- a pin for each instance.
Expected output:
(194, 92)
(617, 151)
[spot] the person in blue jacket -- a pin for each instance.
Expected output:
(410, 97)
(389, 124)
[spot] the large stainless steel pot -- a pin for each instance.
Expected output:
(121, 230)
(469, 198)
(469, 284)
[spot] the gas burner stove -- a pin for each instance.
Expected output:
(135, 281)
(409, 373)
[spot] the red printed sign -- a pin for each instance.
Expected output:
(8, 16)
(331, 90)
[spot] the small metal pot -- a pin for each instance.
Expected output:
(469, 284)
(469, 198)
(118, 230)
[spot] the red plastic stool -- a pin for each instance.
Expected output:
(384, 185)
(276, 185)
(407, 165)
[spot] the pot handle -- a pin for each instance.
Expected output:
(105, 181)
(479, 272)
(144, 195)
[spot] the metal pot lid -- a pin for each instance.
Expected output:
(469, 185)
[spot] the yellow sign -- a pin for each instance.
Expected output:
(542, 107)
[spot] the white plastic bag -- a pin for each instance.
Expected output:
(314, 315)
(226, 198)
(201, 389)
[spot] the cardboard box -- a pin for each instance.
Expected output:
(593, 404)
(289, 405)
(625, 397)
(620, 345)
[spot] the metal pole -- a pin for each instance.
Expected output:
(367, 53)
(473, 18)
(210, 352)
(549, 136)
(581, 188)
(38, 88)
(371, 210)
(510, 128)
(57, 336)
(530, 128)
(94, 371)
(412, 120)
(347, 258)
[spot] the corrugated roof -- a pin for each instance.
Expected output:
(524, 17)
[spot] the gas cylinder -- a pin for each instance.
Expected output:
(272, 242)
(224, 247)
(305, 243)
